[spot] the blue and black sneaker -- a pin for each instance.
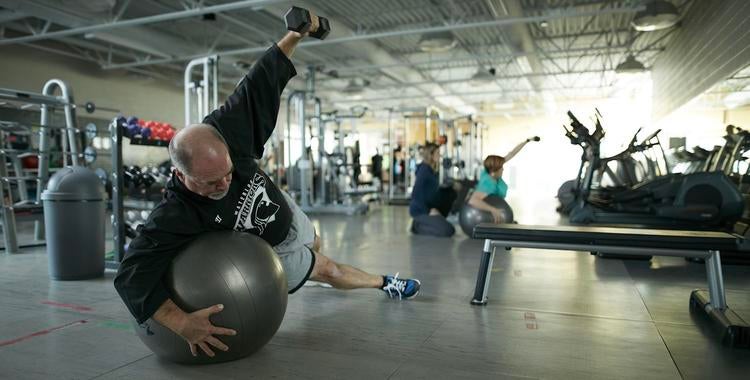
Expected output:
(401, 288)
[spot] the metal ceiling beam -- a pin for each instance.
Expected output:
(471, 93)
(500, 77)
(571, 52)
(133, 38)
(7, 15)
(266, 35)
(521, 37)
(91, 60)
(91, 46)
(397, 33)
(370, 50)
(142, 20)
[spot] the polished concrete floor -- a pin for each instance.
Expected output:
(554, 315)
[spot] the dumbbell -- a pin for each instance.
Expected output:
(447, 163)
(299, 20)
(132, 176)
(146, 132)
(165, 170)
(131, 216)
(535, 138)
(133, 130)
(147, 179)
(126, 176)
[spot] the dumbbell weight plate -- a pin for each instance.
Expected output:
(90, 107)
(131, 215)
(89, 155)
(91, 131)
(323, 29)
(298, 20)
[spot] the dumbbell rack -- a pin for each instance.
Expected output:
(118, 189)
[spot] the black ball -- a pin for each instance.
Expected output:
(236, 269)
(470, 216)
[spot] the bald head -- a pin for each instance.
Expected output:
(197, 143)
(201, 157)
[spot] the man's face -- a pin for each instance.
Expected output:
(210, 177)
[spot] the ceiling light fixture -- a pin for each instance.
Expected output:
(483, 76)
(630, 66)
(437, 42)
(355, 86)
(658, 15)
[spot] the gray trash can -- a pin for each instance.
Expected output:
(74, 220)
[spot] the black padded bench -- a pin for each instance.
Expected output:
(626, 242)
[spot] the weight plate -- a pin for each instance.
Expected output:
(91, 130)
(89, 155)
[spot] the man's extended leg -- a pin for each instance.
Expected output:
(303, 247)
(342, 276)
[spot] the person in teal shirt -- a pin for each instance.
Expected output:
(491, 181)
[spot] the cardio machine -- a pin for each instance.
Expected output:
(706, 200)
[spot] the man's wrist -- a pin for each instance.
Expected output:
(171, 316)
(294, 36)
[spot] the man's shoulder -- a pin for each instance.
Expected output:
(174, 212)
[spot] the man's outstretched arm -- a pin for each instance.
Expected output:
(248, 117)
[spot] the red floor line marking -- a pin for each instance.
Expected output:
(40, 333)
(68, 306)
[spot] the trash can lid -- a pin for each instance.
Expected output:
(74, 183)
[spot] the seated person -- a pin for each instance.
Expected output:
(430, 204)
(491, 181)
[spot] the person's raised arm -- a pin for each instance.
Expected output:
(518, 148)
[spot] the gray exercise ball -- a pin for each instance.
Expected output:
(470, 216)
(236, 269)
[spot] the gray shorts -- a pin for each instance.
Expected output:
(295, 251)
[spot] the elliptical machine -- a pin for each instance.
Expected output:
(707, 200)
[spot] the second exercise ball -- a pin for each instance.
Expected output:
(470, 216)
(236, 269)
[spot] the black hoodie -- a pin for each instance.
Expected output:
(253, 204)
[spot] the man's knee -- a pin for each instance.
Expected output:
(316, 244)
(325, 269)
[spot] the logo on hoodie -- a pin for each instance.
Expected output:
(255, 209)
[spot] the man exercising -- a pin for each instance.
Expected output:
(217, 185)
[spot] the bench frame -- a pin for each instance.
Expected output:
(736, 332)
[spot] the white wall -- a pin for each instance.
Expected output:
(28, 69)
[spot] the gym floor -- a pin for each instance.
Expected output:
(551, 315)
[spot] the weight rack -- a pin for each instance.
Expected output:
(118, 189)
